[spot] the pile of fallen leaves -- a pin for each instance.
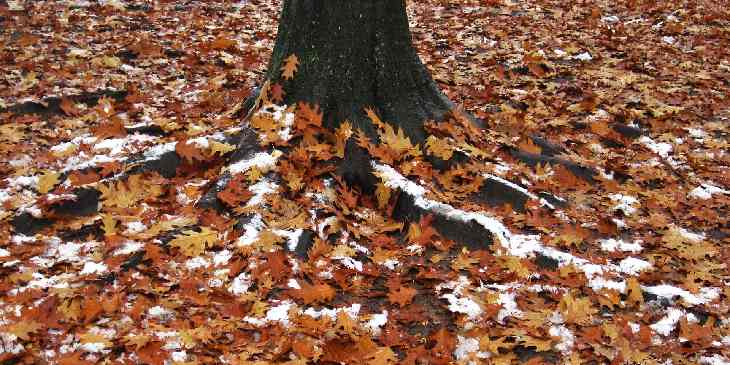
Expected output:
(117, 117)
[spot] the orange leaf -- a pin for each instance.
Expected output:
(69, 107)
(222, 43)
(402, 295)
(307, 116)
(189, 151)
(290, 67)
(314, 293)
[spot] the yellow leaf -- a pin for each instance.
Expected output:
(192, 243)
(515, 265)
(577, 310)
(342, 134)
(109, 224)
(164, 226)
(138, 341)
(221, 148)
(439, 147)
(126, 194)
(382, 193)
(290, 67)
(463, 261)
(71, 308)
(633, 288)
(397, 141)
(111, 62)
(47, 181)
(95, 338)
(382, 356)
(23, 329)
(267, 240)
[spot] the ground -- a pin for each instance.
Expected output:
(606, 125)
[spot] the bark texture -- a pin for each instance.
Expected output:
(353, 54)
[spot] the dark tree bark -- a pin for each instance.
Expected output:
(354, 54)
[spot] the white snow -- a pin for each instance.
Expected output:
(527, 245)
(611, 245)
(509, 306)
(706, 191)
(240, 284)
(128, 248)
(625, 203)
(262, 160)
(4, 252)
(292, 237)
(377, 321)
(585, 56)
(294, 284)
(93, 346)
(715, 359)
(260, 189)
(668, 291)
(279, 313)
(160, 312)
(633, 266)
(135, 227)
(222, 257)
(69, 251)
(668, 39)
(251, 231)
(567, 339)
(466, 346)
(93, 268)
(463, 305)
(667, 324)
(660, 148)
(196, 263)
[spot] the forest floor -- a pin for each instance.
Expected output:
(609, 122)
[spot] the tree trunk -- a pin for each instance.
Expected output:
(354, 54)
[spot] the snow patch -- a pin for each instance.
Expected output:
(667, 324)
(633, 266)
(706, 191)
(93, 268)
(262, 160)
(611, 245)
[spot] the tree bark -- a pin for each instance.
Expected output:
(356, 54)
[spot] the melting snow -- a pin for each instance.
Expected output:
(611, 245)
(633, 266)
(240, 284)
(706, 191)
(262, 160)
(376, 321)
(666, 325)
(660, 148)
(93, 268)
(624, 203)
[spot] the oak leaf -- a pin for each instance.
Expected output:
(382, 356)
(23, 329)
(221, 148)
(47, 181)
(314, 293)
(290, 67)
(577, 310)
(192, 243)
(401, 295)
(439, 147)
(69, 107)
